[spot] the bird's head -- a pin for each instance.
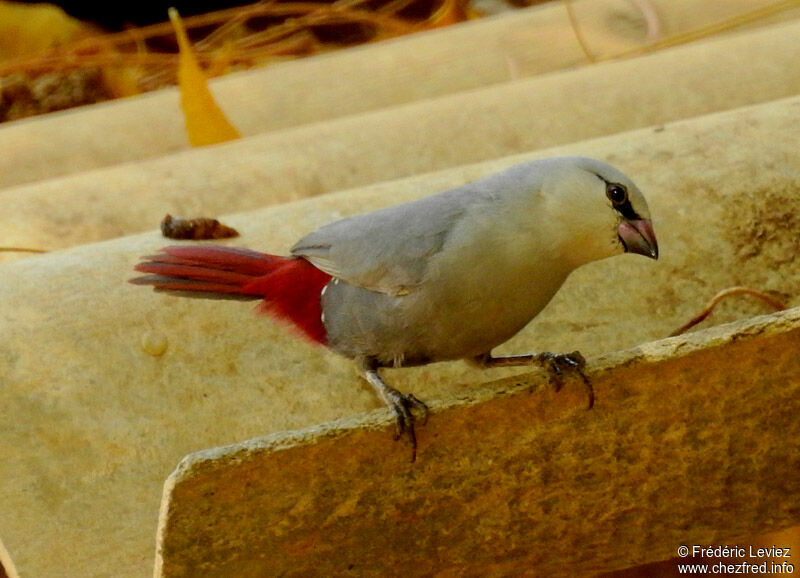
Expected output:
(601, 210)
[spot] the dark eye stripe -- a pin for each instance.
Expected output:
(625, 209)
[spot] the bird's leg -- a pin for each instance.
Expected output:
(402, 406)
(556, 364)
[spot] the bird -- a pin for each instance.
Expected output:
(446, 277)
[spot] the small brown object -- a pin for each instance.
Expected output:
(768, 299)
(196, 229)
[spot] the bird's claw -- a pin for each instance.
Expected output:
(559, 363)
(403, 406)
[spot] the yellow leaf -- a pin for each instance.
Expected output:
(205, 122)
(28, 29)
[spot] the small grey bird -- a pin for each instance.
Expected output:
(446, 277)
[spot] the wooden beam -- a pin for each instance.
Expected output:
(694, 440)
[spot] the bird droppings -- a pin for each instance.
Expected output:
(154, 343)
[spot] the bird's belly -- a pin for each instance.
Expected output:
(426, 325)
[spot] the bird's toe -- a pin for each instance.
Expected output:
(403, 405)
(560, 363)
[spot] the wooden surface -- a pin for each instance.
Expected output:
(694, 440)
(7, 569)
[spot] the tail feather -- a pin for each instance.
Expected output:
(219, 257)
(193, 288)
(194, 272)
(290, 286)
(208, 268)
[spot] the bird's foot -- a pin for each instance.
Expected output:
(559, 363)
(403, 406)
(556, 363)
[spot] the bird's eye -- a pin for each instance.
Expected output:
(617, 194)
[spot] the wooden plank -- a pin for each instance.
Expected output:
(695, 440)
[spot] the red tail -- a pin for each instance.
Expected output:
(290, 286)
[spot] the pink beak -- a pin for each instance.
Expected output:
(638, 237)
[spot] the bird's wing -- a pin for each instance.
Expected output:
(388, 250)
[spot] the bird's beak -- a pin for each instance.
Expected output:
(638, 237)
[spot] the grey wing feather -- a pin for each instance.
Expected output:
(387, 250)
